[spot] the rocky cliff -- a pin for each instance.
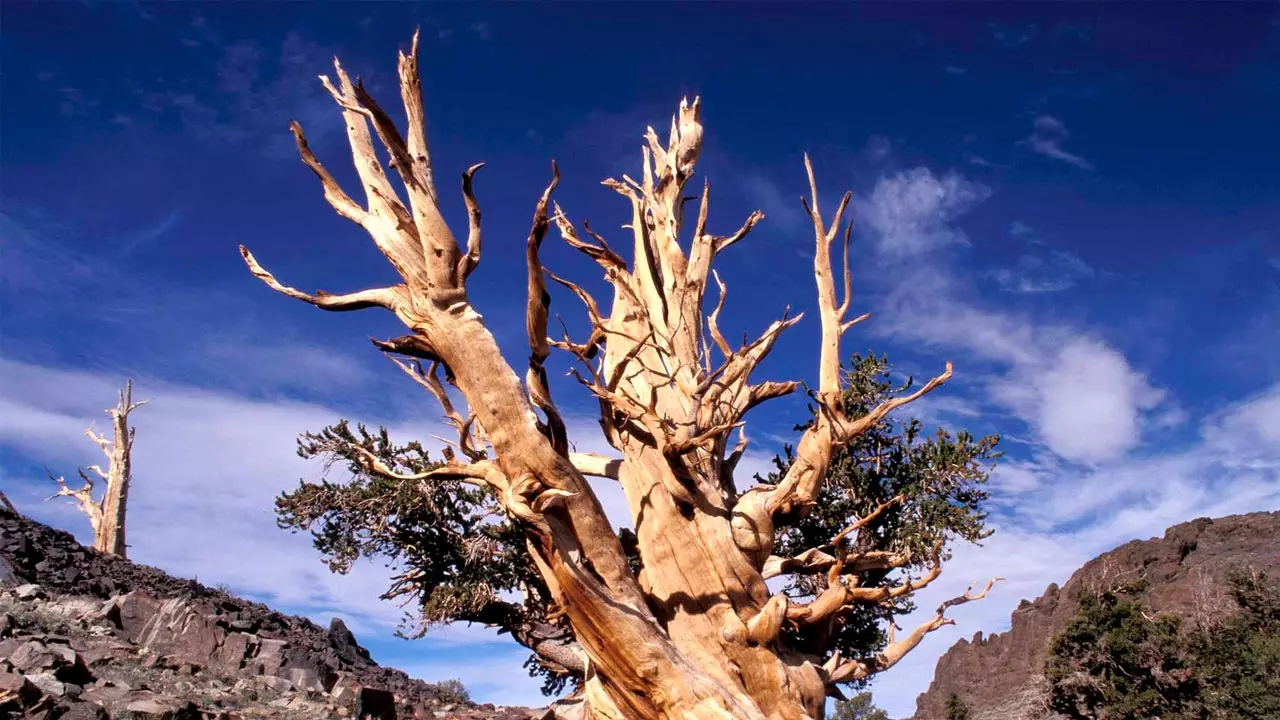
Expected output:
(85, 635)
(999, 677)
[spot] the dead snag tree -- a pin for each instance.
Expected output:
(107, 515)
(681, 623)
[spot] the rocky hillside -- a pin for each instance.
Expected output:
(83, 635)
(999, 677)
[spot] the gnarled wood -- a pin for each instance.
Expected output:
(696, 633)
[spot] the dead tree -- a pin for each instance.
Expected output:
(107, 515)
(695, 633)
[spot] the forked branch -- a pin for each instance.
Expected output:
(897, 649)
(833, 429)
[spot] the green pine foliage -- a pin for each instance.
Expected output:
(858, 707)
(941, 478)
(956, 709)
(1117, 660)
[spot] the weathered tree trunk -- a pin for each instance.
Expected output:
(107, 515)
(695, 633)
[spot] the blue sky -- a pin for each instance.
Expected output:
(1078, 205)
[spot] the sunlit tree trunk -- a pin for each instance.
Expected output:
(696, 632)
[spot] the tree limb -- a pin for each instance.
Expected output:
(852, 670)
(862, 521)
(536, 315)
(388, 297)
(468, 263)
(596, 465)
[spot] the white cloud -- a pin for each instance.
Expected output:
(1085, 482)
(1084, 400)
(1064, 517)
(1255, 423)
(207, 466)
(1080, 395)
(911, 211)
(1047, 137)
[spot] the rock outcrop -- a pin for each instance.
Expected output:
(1000, 677)
(87, 635)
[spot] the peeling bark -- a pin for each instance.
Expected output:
(695, 633)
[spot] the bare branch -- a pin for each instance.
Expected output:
(768, 390)
(471, 260)
(897, 649)
(415, 346)
(83, 499)
(429, 380)
(850, 430)
(102, 443)
(811, 560)
(391, 225)
(599, 252)
(862, 521)
(536, 315)
(798, 490)
(333, 192)
(764, 627)
(818, 560)
(713, 320)
(478, 473)
(706, 247)
(107, 515)
(389, 297)
(720, 244)
(596, 465)
(411, 95)
(731, 462)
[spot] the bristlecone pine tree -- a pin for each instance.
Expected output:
(674, 620)
(107, 515)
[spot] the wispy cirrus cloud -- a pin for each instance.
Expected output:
(1047, 137)
(1045, 272)
(1041, 268)
(255, 90)
(1080, 396)
(912, 211)
(203, 332)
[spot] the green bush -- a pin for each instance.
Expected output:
(1117, 660)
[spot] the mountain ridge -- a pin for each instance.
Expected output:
(999, 677)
